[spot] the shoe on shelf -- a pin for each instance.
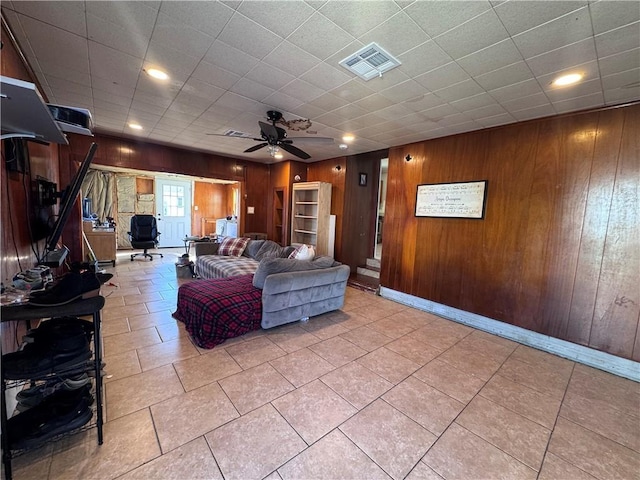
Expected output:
(71, 286)
(32, 396)
(58, 327)
(61, 412)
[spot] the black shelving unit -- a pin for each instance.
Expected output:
(26, 313)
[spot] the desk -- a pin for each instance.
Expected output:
(102, 243)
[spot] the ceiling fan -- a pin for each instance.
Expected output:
(275, 137)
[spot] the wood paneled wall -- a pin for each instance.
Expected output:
(326, 171)
(559, 249)
(214, 200)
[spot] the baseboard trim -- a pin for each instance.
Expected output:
(571, 351)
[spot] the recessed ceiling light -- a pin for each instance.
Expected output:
(158, 74)
(343, 146)
(135, 126)
(569, 79)
(347, 137)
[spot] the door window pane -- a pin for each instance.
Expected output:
(172, 201)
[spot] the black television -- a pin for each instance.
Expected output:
(54, 256)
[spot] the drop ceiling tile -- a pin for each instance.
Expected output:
(146, 119)
(65, 85)
(172, 33)
(176, 62)
(397, 35)
(329, 118)
(46, 41)
(495, 121)
(565, 30)
(523, 103)
(367, 120)
(269, 76)
(348, 111)
(68, 16)
(201, 89)
(108, 63)
(423, 58)
(516, 90)
(436, 18)
(326, 77)
(179, 116)
(281, 17)
(518, 17)
(395, 112)
(352, 91)
(436, 114)
(378, 84)
(291, 59)
(358, 17)
(153, 108)
(534, 112)
(442, 77)
(588, 70)
(161, 89)
(423, 102)
(465, 89)
(127, 40)
(121, 101)
(302, 90)
(250, 89)
(238, 102)
(112, 86)
(491, 58)
(307, 111)
(320, 37)
(579, 90)
(514, 73)
(579, 103)
(327, 102)
(618, 40)
(187, 108)
(230, 58)
(563, 58)
(454, 119)
(474, 102)
(280, 100)
(620, 95)
(622, 80)
(473, 35)
(373, 102)
(207, 17)
(608, 15)
(258, 44)
(74, 100)
(151, 98)
(619, 62)
(485, 112)
(404, 91)
(214, 75)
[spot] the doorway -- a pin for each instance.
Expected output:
(382, 195)
(173, 211)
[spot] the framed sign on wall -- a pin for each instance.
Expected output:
(452, 200)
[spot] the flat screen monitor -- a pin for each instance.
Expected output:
(53, 254)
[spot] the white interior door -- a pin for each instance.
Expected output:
(173, 211)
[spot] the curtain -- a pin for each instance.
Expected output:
(98, 186)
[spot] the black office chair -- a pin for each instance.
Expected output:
(144, 234)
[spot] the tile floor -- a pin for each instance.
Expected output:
(376, 390)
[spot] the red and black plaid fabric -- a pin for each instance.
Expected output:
(233, 246)
(220, 308)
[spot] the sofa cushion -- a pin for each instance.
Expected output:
(269, 266)
(253, 247)
(269, 249)
(233, 246)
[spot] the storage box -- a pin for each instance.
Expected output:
(184, 270)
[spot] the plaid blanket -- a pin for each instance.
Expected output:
(220, 266)
(216, 309)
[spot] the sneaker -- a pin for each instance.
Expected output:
(32, 396)
(71, 286)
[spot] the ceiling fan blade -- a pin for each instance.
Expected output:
(242, 137)
(256, 147)
(294, 150)
(269, 131)
(314, 140)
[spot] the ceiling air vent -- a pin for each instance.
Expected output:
(235, 133)
(370, 61)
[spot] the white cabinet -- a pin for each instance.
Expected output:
(310, 216)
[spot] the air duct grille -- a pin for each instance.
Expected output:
(370, 61)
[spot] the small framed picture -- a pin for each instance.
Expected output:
(362, 180)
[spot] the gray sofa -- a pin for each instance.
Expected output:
(292, 289)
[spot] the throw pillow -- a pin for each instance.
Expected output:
(233, 246)
(303, 252)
